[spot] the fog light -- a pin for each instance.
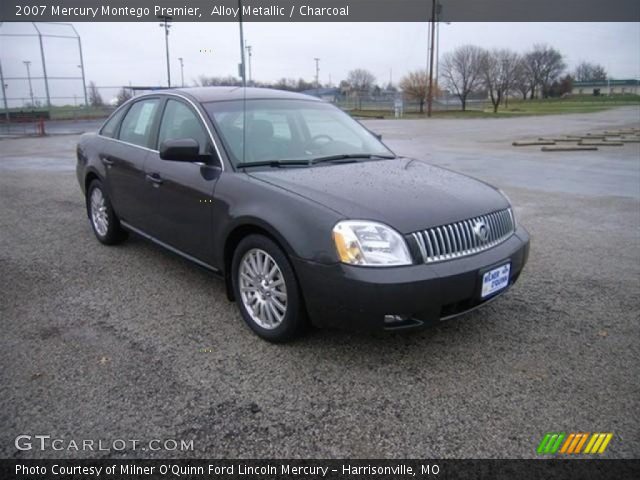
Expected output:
(389, 319)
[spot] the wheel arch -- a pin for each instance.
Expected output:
(235, 236)
(90, 177)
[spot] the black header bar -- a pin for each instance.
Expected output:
(319, 10)
(574, 469)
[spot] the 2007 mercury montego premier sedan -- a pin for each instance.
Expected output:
(306, 215)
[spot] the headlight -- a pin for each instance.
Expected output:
(370, 244)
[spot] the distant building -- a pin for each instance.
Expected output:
(607, 87)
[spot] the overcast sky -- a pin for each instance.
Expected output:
(122, 53)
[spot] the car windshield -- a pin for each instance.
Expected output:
(291, 132)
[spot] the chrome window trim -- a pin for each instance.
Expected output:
(458, 239)
(160, 94)
(128, 143)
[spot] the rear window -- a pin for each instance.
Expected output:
(111, 127)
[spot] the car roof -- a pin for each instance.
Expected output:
(217, 94)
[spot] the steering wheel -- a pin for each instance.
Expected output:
(313, 144)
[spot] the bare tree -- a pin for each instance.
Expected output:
(123, 95)
(228, 81)
(461, 71)
(361, 81)
(498, 70)
(286, 84)
(533, 68)
(553, 67)
(561, 87)
(511, 62)
(415, 85)
(544, 66)
(95, 99)
(589, 72)
(522, 79)
(303, 85)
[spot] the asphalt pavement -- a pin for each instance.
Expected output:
(131, 342)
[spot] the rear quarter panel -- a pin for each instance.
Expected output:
(88, 158)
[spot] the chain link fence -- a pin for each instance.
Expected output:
(387, 106)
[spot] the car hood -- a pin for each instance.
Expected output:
(407, 194)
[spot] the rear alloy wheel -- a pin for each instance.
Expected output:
(104, 222)
(266, 289)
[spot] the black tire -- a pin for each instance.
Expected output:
(113, 233)
(294, 319)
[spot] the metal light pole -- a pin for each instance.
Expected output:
(248, 47)
(165, 23)
(241, 67)
(433, 33)
(181, 70)
(4, 95)
(437, 52)
(28, 65)
(317, 73)
(437, 76)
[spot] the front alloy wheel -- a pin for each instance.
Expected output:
(262, 289)
(266, 289)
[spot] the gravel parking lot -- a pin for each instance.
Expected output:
(131, 342)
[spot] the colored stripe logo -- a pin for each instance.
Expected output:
(598, 443)
(573, 443)
(550, 443)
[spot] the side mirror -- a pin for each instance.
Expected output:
(180, 150)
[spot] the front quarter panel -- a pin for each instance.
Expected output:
(301, 226)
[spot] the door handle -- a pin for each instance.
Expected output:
(154, 178)
(108, 162)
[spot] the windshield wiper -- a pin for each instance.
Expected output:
(272, 163)
(348, 156)
(313, 161)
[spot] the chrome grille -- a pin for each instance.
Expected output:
(464, 238)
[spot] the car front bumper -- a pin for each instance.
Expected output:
(359, 298)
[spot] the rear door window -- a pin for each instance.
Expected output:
(137, 124)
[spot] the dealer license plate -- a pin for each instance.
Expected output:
(495, 280)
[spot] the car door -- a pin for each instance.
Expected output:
(125, 157)
(180, 194)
